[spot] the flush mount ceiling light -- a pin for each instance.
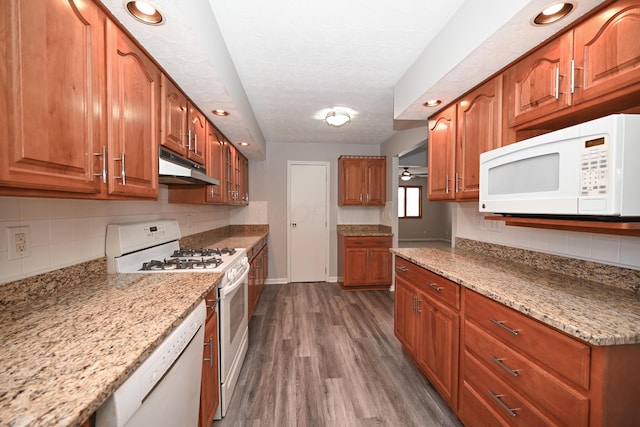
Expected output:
(337, 118)
(432, 103)
(144, 12)
(405, 175)
(221, 113)
(244, 144)
(553, 13)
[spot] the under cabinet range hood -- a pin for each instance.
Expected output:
(176, 170)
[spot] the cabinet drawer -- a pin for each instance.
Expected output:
(473, 411)
(501, 398)
(368, 242)
(556, 351)
(545, 390)
(435, 286)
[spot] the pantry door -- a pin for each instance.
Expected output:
(308, 221)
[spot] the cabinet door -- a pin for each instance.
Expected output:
(539, 84)
(607, 52)
(51, 97)
(350, 181)
(196, 135)
(229, 156)
(375, 182)
(132, 110)
(438, 348)
(355, 266)
(441, 157)
(379, 266)
(173, 124)
(209, 386)
(404, 315)
(214, 164)
(479, 124)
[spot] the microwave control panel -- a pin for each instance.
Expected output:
(595, 168)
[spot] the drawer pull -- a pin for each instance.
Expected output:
(401, 268)
(503, 326)
(496, 397)
(418, 301)
(434, 287)
(513, 372)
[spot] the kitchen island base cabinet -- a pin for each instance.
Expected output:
(364, 262)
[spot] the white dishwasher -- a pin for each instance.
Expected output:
(165, 389)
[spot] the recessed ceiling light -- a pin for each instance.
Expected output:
(553, 13)
(432, 103)
(220, 112)
(337, 118)
(145, 12)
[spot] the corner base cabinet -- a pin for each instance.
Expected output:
(364, 262)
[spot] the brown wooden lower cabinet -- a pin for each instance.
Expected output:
(210, 383)
(364, 262)
(427, 323)
(513, 369)
(258, 271)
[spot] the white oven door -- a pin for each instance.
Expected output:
(234, 327)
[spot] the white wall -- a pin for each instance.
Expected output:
(270, 176)
(622, 251)
(66, 232)
(435, 223)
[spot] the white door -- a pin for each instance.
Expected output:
(308, 221)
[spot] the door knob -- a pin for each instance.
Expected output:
(293, 224)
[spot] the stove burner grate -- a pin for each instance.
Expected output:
(181, 264)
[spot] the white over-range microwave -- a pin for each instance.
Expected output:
(590, 169)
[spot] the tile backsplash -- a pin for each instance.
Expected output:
(65, 232)
(622, 251)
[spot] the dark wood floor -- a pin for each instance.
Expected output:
(319, 356)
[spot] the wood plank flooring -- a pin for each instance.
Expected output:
(319, 356)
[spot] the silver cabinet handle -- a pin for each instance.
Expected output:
(401, 268)
(434, 287)
(573, 75)
(446, 185)
(457, 180)
(503, 326)
(360, 197)
(418, 301)
(214, 303)
(195, 143)
(210, 358)
(498, 361)
(557, 94)
(103, 174)
(123, 175)
(368, 197)
(497, 398)
(189, 140)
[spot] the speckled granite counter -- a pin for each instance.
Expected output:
(358, 230)
(591, 311)
(72, 336)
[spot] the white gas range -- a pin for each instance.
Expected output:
(153, 247)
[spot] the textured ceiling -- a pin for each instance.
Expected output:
(277, 66)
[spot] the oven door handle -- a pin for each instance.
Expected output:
(235, 285)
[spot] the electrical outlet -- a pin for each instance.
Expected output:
(19, 242)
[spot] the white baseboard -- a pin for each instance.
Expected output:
(284, 281)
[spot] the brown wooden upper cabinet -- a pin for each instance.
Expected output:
(362, 180)
(173, 124)
(90, 96)
(457, 137)
(196, 134)
(133, 91)
(593, 68)
(51, 95)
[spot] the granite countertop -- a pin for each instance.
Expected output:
(71, 337)
(588, 310)
(363, 230)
